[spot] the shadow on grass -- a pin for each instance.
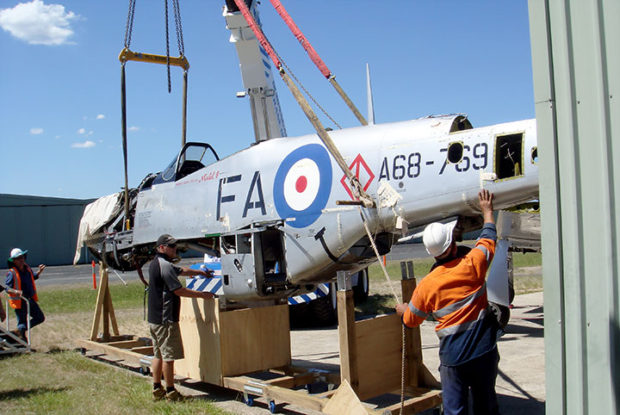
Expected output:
(26, 393)
(376, 304)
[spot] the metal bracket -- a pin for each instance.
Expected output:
(343, 281)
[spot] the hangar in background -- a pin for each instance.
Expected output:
(46, 226)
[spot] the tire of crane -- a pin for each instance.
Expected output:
(360, 291)
(323, 310)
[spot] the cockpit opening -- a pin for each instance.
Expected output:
(192, 157)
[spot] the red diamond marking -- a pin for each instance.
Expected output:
(363, 173)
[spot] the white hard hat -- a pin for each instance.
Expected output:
(16, 253)
(437, 237)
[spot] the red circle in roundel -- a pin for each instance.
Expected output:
(301, 184)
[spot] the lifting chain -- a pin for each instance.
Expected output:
(179, 32)
(179, 27)
(309, 94)
(127, 55)
(129, 24)
(167, 48)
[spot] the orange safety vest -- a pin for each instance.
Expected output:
(14, 300)
(454, 293)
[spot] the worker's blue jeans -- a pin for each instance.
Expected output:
(36, 315)
(477, 375)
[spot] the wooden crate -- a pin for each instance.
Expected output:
(229, 343)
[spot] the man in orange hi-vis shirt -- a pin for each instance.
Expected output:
(454, 293)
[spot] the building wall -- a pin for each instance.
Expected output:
(576, 68)
(46, 227)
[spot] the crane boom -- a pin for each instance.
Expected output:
(257, 75)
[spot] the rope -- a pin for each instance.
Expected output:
(374, 247)
(387, 277)
(402, 371)
(359, 192)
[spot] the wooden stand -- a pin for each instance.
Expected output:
(127, 348)
(104, 308)
(371, 354)
(249, 351)
(227, 343)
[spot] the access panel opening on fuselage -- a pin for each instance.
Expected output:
(509, 155)
(253, 262)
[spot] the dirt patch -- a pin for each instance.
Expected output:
(61, 331)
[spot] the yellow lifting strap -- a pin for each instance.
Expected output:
(128, 55)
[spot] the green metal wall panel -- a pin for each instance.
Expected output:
(576, 74)
(46, 227)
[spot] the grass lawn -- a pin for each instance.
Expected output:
(64, 382)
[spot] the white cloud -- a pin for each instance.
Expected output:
(100, 117)
(85, 144)
(36, 131)
(38, 23)
(134, 128)
(82, 131)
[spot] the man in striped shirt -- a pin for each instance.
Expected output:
(454, 293)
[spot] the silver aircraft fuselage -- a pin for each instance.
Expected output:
(416, 171)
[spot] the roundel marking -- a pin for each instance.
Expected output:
(303, 184)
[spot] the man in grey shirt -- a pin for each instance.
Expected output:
(165, 291)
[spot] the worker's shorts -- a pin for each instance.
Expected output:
(167, 342)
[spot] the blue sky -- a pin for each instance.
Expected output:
(60, 123)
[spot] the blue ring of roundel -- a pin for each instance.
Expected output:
(303, 218)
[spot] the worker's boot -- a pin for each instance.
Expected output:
(174, 396)
(17, 333)
(159, 394)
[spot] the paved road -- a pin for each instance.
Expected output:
(83, 274)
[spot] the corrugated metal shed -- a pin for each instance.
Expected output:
(47, 227)
(576, 62)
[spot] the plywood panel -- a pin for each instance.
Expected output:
(344, 402)
(379, 355)
(254, 339)
(201, 341)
